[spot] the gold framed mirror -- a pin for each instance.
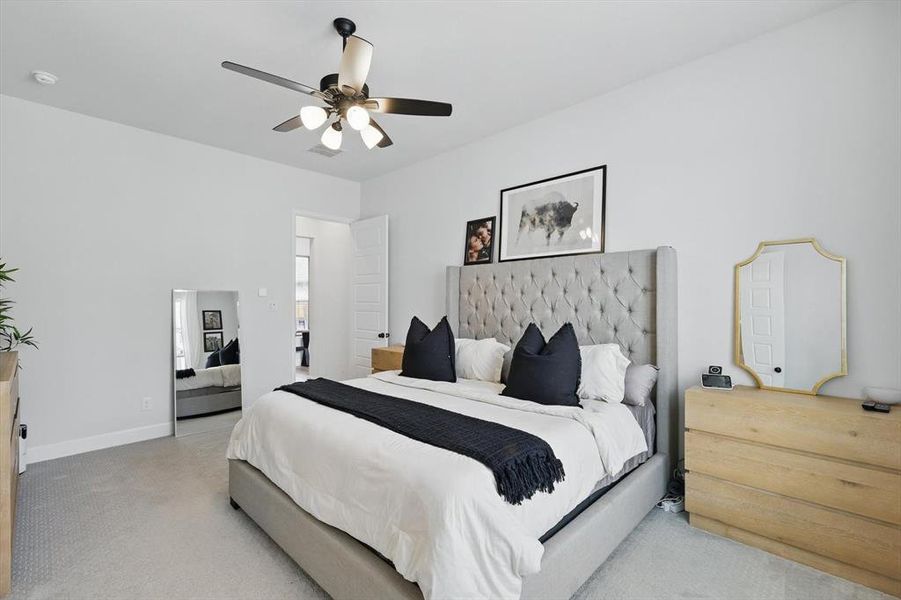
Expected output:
(791, 316)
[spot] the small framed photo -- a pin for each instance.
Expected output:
(479, 248)
(212, 319)
(212, 341)
(559, 216)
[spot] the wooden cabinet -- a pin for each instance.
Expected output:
(815, 479)
(387, 359)
(9, 461)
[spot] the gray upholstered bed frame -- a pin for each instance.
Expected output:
(627, 297)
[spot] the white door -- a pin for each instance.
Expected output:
(369, 292)
(763, 334)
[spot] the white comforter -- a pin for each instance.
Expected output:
(224, 376)
(434, 513)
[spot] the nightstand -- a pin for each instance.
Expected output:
(815, 479)
(387, 359)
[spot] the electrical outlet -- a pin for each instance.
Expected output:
(146, 403)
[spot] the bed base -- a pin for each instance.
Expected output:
(195, 406)
(348, 569)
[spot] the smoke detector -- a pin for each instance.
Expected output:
(44, 78)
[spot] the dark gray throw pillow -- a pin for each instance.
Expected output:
(429, 354)
(230, 353)
(213, 360)
(546, 372)
(640, 381)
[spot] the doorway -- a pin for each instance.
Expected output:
(303, 247)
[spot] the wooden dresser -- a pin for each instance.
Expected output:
(9, 461)
(814, 479)
(387, 359)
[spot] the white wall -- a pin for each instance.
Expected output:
(793, 134)
(104, 220)
(330, 255)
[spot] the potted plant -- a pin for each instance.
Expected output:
(10, 335)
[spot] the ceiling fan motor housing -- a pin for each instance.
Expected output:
(331, 81)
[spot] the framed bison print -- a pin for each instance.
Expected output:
(554, 217)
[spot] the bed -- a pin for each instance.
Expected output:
(626, 297)
(211, 390)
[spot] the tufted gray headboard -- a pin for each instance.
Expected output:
(623, 297)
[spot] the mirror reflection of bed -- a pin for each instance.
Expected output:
(206, 357)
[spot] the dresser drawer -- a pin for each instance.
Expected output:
(835, 427)
(858, 489)
(854, 540)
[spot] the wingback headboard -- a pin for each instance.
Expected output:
(623, 297)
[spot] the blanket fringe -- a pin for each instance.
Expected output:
(518, 480)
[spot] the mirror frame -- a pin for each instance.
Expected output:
(238, 312)
(737, 350)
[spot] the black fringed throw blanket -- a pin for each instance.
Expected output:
(521, 462)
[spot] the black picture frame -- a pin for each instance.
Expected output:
(599, 220)
(212, 319)
(486, 253)
(212, 341)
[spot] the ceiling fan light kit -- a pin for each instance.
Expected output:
(313, 116)
(371, 136)
(331, 137)
(346, 95)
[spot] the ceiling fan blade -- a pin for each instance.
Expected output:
(355, 63)
(270, 78)
(385, 141)
(289, 125)
(408, 106)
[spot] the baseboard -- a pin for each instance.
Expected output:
(97, 442)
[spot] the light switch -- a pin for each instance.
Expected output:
(262, 292)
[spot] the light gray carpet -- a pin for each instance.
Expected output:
(152, 520)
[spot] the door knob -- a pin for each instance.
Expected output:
(384, 335)
(778, 369)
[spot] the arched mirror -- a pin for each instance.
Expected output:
(790, 316)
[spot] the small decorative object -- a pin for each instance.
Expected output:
(559, 216)
(212, 319)
(212, 341)
(479, 242)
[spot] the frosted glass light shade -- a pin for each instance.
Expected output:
(331, 138)
(357, 117)
(371, 136)
(313, 116)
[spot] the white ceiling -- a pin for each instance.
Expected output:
(155, 65)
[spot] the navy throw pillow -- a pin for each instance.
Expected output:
(546, 372)
(429, 354)
(230, 353)
(213, 360)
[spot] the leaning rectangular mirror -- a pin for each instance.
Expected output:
(206, 357)
(790, 316)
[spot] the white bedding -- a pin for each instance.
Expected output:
(224, 376)
(434, 513)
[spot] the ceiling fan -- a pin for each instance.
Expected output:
(346, 95)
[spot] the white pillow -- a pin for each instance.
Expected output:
(479, 359)
(603, 372)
